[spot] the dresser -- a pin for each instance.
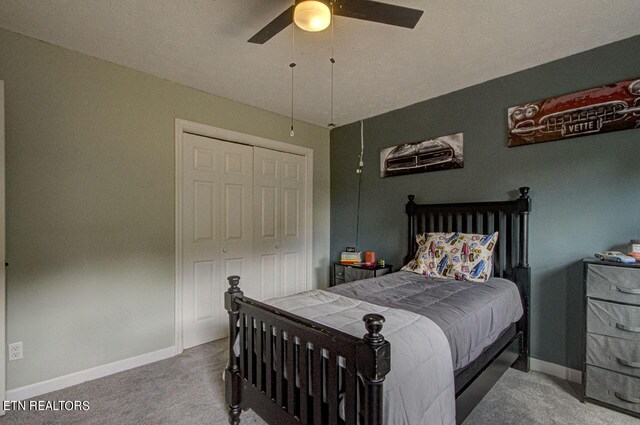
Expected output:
(611, 371)
(343, 273)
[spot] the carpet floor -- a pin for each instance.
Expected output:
(188, 389)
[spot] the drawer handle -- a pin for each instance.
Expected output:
(628, 290)
(633, 329)
(627, 363)
(628, 399)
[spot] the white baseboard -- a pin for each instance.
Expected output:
(39, 388)
(556, 370)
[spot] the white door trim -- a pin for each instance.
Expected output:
(184, 126)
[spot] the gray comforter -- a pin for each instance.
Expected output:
(472, 315)
(419, 389)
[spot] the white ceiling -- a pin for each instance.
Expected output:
(202, 44)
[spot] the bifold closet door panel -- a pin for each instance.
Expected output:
(279, 222)
(294, 227)
(237, 213)
(217, 184)
(267, 169)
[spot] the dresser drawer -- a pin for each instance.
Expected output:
(615, 354)
(618, 320)
(351, 274)
(613, 388)
(614, 283)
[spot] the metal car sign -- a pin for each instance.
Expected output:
(441, 153)
(599, 110)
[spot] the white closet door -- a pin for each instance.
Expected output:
(279, 223)
(267, 166)
(293, 218)
(237, 214)
(216, 239)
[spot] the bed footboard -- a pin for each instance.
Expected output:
(291, 370)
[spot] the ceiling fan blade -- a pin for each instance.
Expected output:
(379, 12)
(274, 27)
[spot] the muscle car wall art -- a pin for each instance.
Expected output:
(441, 153)
(608, 108)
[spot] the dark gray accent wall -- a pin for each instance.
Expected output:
(586, 191)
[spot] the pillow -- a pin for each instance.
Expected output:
(459, 256)
(416, 265)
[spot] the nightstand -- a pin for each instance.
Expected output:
(611, 367)
(343, 273)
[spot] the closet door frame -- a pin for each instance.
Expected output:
(184, 126)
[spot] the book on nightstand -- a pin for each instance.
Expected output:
(350, 258)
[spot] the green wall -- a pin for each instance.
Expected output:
(90, 203)
(586, 191)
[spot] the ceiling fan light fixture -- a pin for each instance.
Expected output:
(312, 15)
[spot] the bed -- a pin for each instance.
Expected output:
(269, 344)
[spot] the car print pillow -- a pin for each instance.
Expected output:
(417, 264)
(459, 256)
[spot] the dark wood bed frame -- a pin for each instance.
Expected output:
(267, 346)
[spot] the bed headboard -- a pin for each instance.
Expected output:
(511, 254)
(510, 218)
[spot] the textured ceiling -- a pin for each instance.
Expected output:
(202, 44)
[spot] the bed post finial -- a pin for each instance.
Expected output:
(373, 363)
(234, 282)
(524, 192)
(373, 322)
(233, 381)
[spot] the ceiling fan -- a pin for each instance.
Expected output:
(315, 15)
